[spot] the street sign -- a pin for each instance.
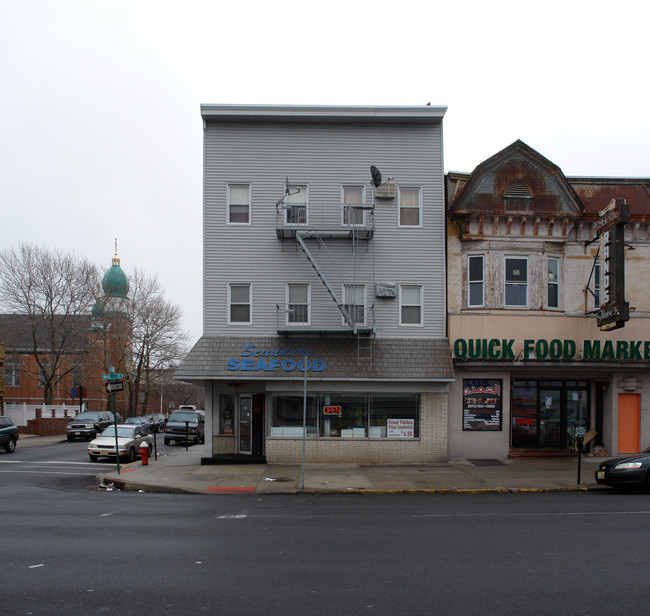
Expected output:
(113, 376)
(114, 386)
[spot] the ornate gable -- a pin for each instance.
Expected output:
(517, 189)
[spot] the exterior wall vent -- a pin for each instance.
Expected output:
(518, 190)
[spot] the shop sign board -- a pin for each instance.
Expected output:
(332, 410)
(468, 349)
(482, 404)
(400, 428)
(614, 310)
(286, 359)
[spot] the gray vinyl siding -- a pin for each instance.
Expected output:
(323, 157)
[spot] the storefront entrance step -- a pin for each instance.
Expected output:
(546, 452)
(233, 458)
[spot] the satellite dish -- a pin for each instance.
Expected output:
(376, 176)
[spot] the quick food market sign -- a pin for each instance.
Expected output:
(285, 359)
(542, 349)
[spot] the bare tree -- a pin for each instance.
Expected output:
(52, 291)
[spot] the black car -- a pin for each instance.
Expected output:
(185, 426)
(8, 434)
(88, 424)
(624, 474)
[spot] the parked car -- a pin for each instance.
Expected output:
(139, 421)
(88, 424)
(8, 434)
(130, 439)
(624, 474)
(185, 426)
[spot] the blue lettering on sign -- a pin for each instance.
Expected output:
(287, 364)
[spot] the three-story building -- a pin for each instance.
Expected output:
(324, 284)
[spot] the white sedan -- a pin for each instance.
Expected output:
(130, 439)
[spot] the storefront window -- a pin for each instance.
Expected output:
(395, 416)
(348, 416)
(226, 414)
(349, 421)
(549, 414)
(287, 415)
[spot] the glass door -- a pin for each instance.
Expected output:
(550, 418)
(245, 424)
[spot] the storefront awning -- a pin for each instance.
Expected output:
(329, 358)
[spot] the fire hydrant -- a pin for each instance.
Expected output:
(144, 454)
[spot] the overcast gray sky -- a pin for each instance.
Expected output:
(100, 127)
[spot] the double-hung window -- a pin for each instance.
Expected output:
(239, 204)
(239, 304)
(353, 195)
(295, 205)
(12, 375)
(298, 296)
(553, 282)
(410, 304)
(410, 207)
(516, 291)
(595, 283)
(354, 301)
(475, 281)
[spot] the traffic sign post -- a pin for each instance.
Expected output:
(113, 386)
(115, 383)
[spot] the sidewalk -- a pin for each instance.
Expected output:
(182, 472)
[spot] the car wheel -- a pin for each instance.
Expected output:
(10, 447)
(622, 489)
(70, 438)
(132, 455)
(92, 458)
(168, 441)
(202, 439)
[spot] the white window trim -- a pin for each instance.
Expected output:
(399, 207)
(365, 303)
(301, 323)
(401, 304)
(469, 295)
(557, 283)
(363, 202)
(250, 203)
(306, 204)
(250, 303)
(505, 282)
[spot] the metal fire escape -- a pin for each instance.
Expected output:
(316, 229)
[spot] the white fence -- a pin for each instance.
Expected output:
(20, 413)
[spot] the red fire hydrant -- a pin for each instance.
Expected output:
(144, 454)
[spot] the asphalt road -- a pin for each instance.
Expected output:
(71, 549)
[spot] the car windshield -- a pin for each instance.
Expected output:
(122, 432)
(87, 415)
(134, 420)
(191, 417)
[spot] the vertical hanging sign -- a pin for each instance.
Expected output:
(614, 310)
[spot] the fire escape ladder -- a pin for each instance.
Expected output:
(325, 281)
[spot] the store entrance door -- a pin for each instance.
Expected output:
(250, 436)
(629, 423)
(548, 414)
(245, 431)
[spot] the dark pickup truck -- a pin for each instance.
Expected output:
(8, 434)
